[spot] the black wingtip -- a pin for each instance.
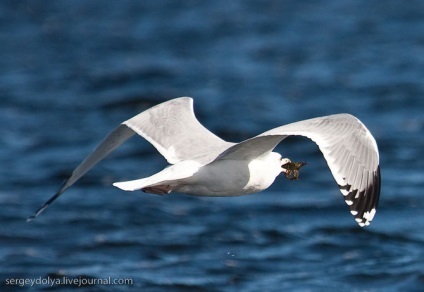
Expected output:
(363, 204)
(38, 212)
(51, 200)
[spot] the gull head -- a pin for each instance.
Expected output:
(284, 163)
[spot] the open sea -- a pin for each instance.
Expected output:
(71, 71)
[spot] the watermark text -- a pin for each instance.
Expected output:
(68, 281)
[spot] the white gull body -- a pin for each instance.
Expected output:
(202, 164)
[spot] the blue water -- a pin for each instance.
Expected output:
(70, 71)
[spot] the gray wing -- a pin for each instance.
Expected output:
(111, 142)
(349, 149)
(174, 131)
(170, 127)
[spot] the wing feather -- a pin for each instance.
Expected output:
(111, 142)
(173, 129)
(348, 147)
(170, 127)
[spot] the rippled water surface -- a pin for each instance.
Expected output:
(72, 70)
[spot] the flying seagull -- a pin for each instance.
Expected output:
(202, 164)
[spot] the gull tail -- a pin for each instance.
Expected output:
(164, 181)
(146, 185)
(133, 185)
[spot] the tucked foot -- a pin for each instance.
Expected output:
(158, 190)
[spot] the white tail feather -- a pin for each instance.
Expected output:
(169, 175)
(133, 185)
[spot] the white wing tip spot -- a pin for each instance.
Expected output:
(366, 218)
(344, 192)
(369, 215)
(349, 202)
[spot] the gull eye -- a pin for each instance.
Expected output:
(285, 162)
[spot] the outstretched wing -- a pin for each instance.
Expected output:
(111, 142)
(174, 131)
(170, 127)
(347, 145)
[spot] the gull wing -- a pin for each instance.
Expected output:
(174, 131)
(111, 142)
(170, 127)
(347, 145)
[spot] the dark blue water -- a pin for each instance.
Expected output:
(70, 71)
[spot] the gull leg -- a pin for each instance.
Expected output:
(158, 190)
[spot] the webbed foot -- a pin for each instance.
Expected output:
(158, 190)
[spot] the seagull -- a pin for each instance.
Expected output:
(202, 164)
